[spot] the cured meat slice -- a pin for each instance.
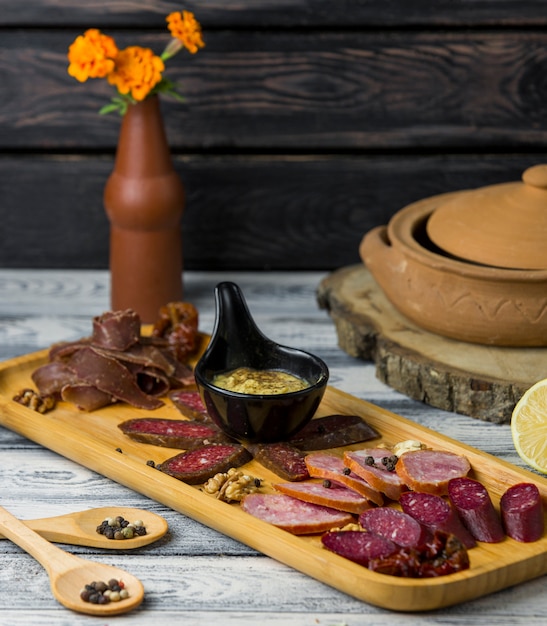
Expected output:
(522, 512)
(435, 514)
(52, 377)
(443, 554)
(295, 516)
(358, 546)
(394, 525)
(332, 467)
(367, 463)
(110, 376)
(430, 470)
(334, 496)
(168, 433)
(282, 459)
(474, 506)
(86, 397)
(197, 466)
(190, 404)
(332, 431)
(117, 330)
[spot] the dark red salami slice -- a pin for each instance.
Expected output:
(190, 404)
(331, 467)
(368, 464)
(430, 470)
(183, 434)
(332, 431)
(522, 512)
(474, 506)
(435, 513)
(295, 516)
(197, 466)
(334, 496)
(394, 525)
(357, 545)
(282, 459)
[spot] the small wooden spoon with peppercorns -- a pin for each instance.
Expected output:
(69, 574)
(80, 528)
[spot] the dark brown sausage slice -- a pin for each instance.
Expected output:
(282, 459)
(332, 431)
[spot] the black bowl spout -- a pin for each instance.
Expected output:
(237, 342)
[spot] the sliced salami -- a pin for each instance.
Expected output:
(435, 514)
(430, 470)
(358, 546)
(197, 466)
(182, 434)
(368, 464)
(522, 512)
(394, 525)
(282, 459)
(335, 496)
(295, 516)
(332, 431)
(190, 404)
(332, 467)
(474, 506)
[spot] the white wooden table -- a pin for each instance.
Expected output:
(196, 575)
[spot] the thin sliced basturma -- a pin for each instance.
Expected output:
(436, 514)
(332, 467)
(394, 525)
(367, 463)
(190, 404)
(522, 512)
(116, 330)
(51, 377)
(430, 470)
(282, 459)
(197, 466)
(332, 431)
(168, 433)
(474, 506)
(334, 496)
(86, 397)
(358, 546)
(292, 515)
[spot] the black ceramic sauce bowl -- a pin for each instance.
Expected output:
(237, 342)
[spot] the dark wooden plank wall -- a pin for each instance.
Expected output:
(307, 122)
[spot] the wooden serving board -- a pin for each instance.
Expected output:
(484, 382)
(94, 441)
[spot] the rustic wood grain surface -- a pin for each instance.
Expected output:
(195, 574)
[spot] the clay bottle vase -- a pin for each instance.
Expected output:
(144, 201)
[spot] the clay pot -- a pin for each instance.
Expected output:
(144, 201)
(456, 297)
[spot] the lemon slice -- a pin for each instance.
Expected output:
(529, 426)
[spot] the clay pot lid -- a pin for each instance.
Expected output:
(500, 225)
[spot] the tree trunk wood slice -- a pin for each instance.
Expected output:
(484, 382)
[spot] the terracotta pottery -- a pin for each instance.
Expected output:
(144, 200)
(457, 297)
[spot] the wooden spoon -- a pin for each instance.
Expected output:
(68, 574)
(80, 529)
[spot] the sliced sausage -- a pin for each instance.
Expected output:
(430, 470)
(332, 467)
(522, 512)
(435, 514)
(472, 501)
(295, 516)
(190, 404)
(394, 525)
(368, 464)
(334, 496)
(282, 459)
(332, 431)
(197, 466)
(358, 546)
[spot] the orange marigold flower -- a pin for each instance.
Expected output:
(91, 55)
(184, 27)
(137, 71)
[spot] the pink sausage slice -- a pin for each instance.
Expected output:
(472, 502)
(435, 513)
(430, 470)
(394, 525)
(334, 496)
(522, 512)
